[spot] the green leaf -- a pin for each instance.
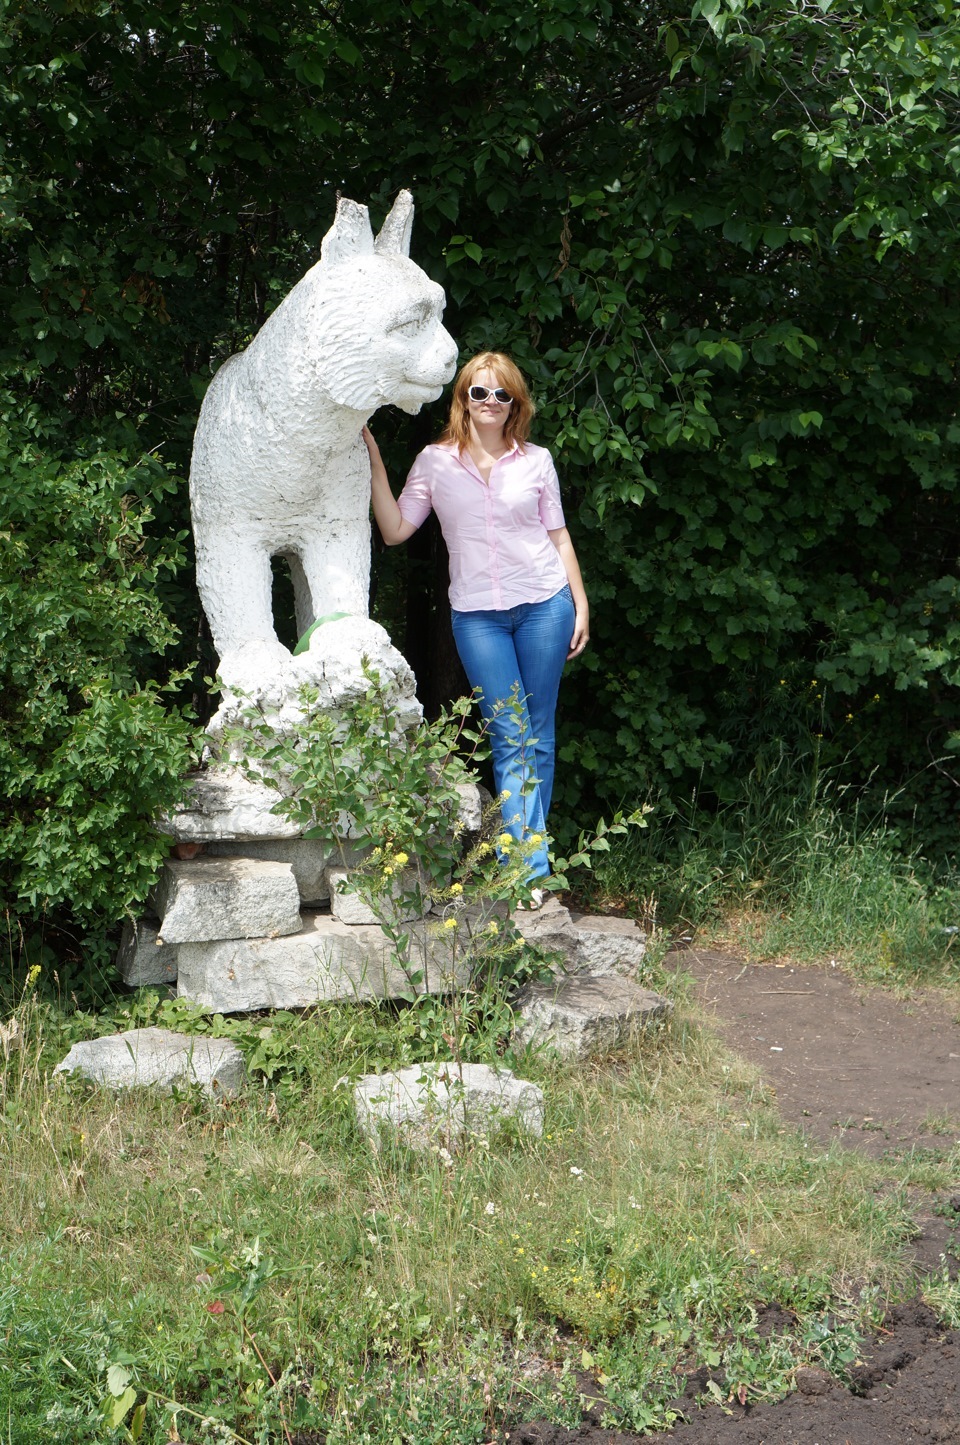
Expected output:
(117, 1408)
(347, 50)
(118, 1378)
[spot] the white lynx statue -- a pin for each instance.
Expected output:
(279, 467)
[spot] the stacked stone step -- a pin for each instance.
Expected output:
(595, 1003)
(264, 918)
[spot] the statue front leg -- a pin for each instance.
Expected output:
(336, 568)
(236, 588)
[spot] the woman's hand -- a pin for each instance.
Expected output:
(581, 632)
(371, 444)
(393, 525)
(560, 538)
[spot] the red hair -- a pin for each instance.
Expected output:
(508, 374)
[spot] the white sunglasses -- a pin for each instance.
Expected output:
(480, 393)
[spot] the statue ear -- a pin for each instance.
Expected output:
(394, 237)
(349, 236)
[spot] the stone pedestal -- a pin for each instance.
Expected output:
(326, 960)
(240, 920)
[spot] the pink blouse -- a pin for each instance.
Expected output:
(496, 533)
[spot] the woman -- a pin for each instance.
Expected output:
(517, 597)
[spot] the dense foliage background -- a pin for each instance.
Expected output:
(720, 235)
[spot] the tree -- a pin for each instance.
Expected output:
(720, 236)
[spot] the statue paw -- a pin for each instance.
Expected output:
(248, 669)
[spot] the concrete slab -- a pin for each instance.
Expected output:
(159, 1058)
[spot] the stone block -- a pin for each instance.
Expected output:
(159, 1058)
(580, 1017)
(407, 899)
(591, 944)
(264, 679)
(326, 960)
(473, 799)
(443, 1103)
(551, 928)
(212, 898)
(142, 957)
(222, 802)
(609, 945)
(308, 857)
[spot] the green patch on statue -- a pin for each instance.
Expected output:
(304, 643)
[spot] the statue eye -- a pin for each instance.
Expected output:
(410, 325)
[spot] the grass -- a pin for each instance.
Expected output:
(253, 1265)
(782, 874)
(179, 1268)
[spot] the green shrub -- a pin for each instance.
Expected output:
(89, 752)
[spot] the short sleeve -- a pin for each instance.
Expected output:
(551, 508)
(415, 501)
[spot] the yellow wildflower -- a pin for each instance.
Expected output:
(449, 923)
(456, 889)
(401, 858)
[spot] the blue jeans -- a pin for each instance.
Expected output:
(522, 648)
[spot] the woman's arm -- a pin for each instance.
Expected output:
(561, 539)
(394, 527)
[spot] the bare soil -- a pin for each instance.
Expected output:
(877, 1074)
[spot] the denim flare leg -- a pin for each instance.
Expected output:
(522, 648)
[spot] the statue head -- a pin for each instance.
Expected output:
(377, 315)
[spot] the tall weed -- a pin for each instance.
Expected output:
(850, 891)
(793, 868)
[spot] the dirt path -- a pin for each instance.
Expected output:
(877, 1074)
(847, 1063)
(907, 1392)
